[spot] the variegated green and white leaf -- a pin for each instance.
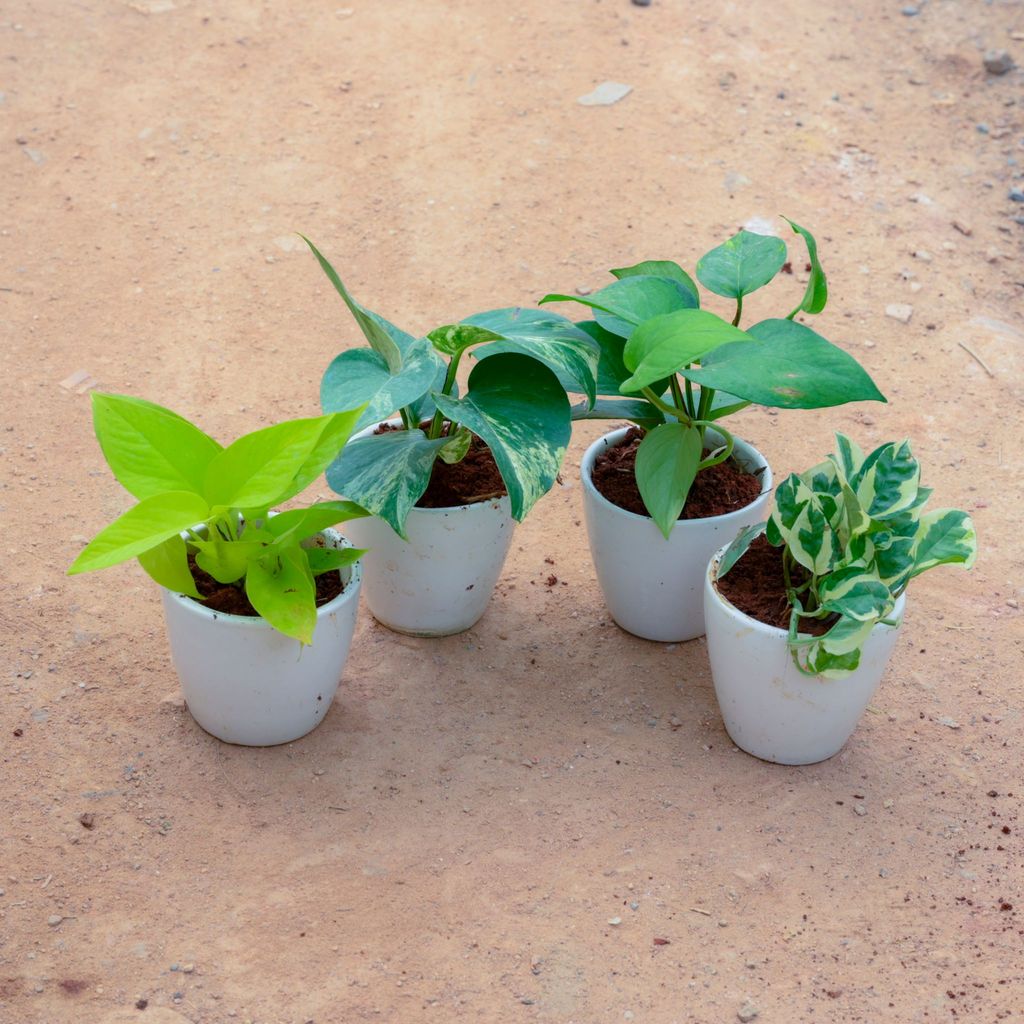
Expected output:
(945, 536)
(515, 403)
(799, 519)
(848, 458)
(456, 447)
(386, 473)
(453, 339)
(361, 376)
(888, 482)
(831, 666)
(856, 593)
(847, 635)
(567, 350)
(738, 548)
(822, 478)
(384, 337)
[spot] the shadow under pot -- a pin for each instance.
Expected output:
(653, 586)
(246, 683)
(440, 580)
(770, 708)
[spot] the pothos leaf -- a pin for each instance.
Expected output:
(517, 406)
(741, 265)
(666, 465)
(738, 548)
(816, 294)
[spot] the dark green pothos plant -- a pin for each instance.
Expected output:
(514, 402)
(683, 369)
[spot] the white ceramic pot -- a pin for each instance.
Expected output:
(653, 587)
(772, 710)
(244, 682)
(439, 581)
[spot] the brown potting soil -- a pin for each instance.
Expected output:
(231, 600)
(756, 585)
(475, 478)
(715, 491)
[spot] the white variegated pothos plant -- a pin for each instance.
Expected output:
(515, 402)
(858, 525)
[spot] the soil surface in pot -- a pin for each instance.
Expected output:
(475, 478)
(231, 600)
(724, 488)
(756, 586)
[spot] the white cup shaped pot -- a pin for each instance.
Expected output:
(653, 587)
(440, 581)
(246, 683)
(772, 710)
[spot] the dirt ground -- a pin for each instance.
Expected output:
(455, 840)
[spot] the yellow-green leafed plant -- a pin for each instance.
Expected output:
(858, 525)
(197, 497)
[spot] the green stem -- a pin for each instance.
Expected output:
(691, 407)
(449, 379)
(739, 310)
(677, 394)
(669, 410)
(725, 453)
(408, 420)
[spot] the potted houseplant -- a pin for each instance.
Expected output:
(662, 496)
(260, 607)
(447, 476)
(803, 612)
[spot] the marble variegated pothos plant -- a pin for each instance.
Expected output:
(515, 402)
(859, 526)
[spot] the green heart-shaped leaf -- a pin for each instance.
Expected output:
(788, 367)
(667, 343)
(167, 564)
(620, 306)
(142, 527)
(661, 268)
(150, 449)
(666, 465)
(741, 265)
(281, 588)
(816, 294)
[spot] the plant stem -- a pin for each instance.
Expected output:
(449, 379)
(677, 394)
(739, 310)
(659, 403)
(691, 407)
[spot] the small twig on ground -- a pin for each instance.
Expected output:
(974, 355)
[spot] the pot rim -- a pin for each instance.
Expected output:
(257, 622)
(710, 585)
(606, 440)
(445, 509)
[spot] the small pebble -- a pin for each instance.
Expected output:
(998, 62)
(860, 810)
(900, 311)
(641, 3)
(1016, 195)
(615, 921)
(747, 1012)
(982, 128)
(53, 920)
(911, 12)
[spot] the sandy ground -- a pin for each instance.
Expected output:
(451, 844)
